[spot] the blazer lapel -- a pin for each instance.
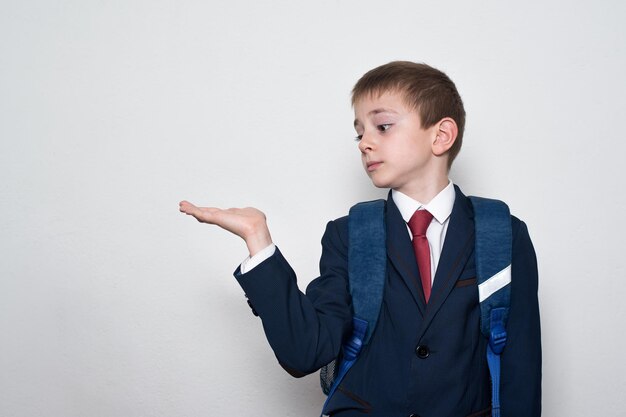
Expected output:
(400, 253)
(458, 246)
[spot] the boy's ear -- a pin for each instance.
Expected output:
(447, 131)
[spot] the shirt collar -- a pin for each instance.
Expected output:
(440, 206)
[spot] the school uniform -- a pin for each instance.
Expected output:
(424, 359)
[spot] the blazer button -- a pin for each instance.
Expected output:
(422, 351)
(414, 415)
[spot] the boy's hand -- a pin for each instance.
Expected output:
(247, 223)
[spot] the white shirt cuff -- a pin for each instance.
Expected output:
(250, 262)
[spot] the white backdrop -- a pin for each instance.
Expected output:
(114, 304)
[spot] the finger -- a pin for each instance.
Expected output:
(202, 214)
(187, 207)
(184, 205)
(205, 214)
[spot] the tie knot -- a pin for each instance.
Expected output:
(419, 222)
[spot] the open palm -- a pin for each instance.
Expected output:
(248, 223)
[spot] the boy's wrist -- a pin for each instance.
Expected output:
(252, 262)
(258, 241)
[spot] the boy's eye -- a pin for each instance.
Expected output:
(358, 137)
(384, 127)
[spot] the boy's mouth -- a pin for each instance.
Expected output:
(371, 166)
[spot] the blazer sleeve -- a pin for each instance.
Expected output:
(305, 331)
(521, 358)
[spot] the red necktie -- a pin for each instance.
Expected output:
(418, 224)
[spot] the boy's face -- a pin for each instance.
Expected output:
(396, 152)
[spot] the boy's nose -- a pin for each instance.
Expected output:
(365, 144)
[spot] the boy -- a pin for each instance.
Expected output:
(426, 356)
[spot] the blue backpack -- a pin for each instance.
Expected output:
(367, 256)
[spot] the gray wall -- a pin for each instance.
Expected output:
(114, 304)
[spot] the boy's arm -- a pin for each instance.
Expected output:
(521, 358)
(305, 331)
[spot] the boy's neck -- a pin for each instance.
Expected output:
(426, 189)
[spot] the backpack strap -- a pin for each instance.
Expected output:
(493, 251)
(367, 263)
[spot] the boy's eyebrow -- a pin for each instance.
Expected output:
(376, 111)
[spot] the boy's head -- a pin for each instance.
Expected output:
(423, 89)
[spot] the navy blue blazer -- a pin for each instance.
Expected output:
(426, 360)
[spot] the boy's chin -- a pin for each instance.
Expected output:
(380, 184)
(379, 180)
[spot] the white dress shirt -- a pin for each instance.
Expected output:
(260, 256)
(440, 207)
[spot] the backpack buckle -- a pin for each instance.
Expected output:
(497, 332)
(497, 339)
